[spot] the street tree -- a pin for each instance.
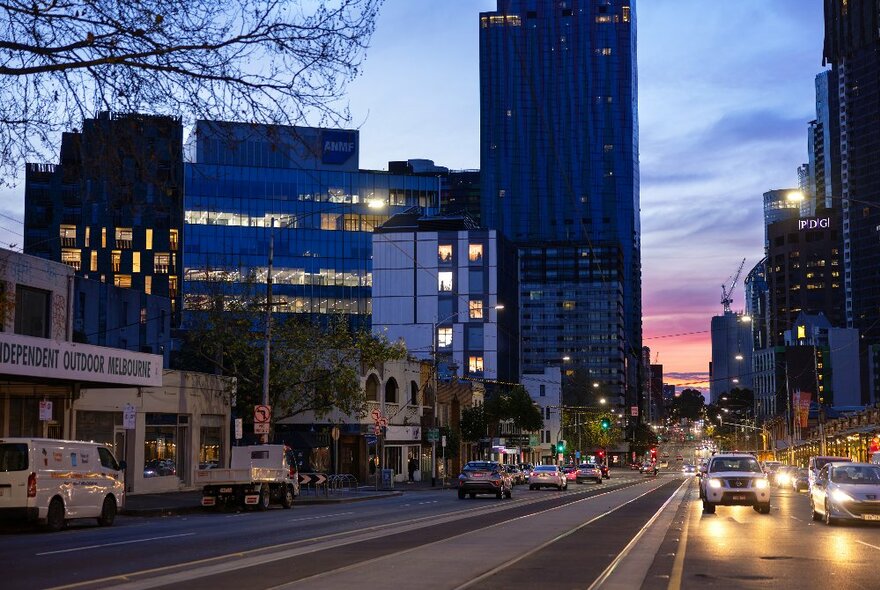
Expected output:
(515, 405)
(473, 425)
(261, 61)
(688, 405)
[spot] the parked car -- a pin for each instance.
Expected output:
(800, 481)
(735, 479)
(570, 473)
(52, 481)
(546, 476)
(846, 491)
(589, 471)
(484, 477)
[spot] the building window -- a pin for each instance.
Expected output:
(444, 337)
(475, 364)
(211, 441)
(143, 316)
(103, 237)
(93, 261)
(444, 281)
(116, 260)
(543, 390)
(122, 281)
(475, 309)
(161, 262)
(149, 239)
(32, 311)
(72, 257)
(148, 285)
(123, 237)
(329, 221)
(88, 236)
(444, 252)
(626, 14)
(135, 262)
(172, 288)
(67, 233)
(569, 305)
(161, 434)
(173, 239)
(475, 252)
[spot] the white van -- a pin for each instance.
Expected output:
(817, 463)
(51, 481)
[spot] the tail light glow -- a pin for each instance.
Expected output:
(32, 485)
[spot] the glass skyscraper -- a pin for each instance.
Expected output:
(302, 185)
(559, 166)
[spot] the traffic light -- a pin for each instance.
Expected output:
(560, 446)
(600, 453)
(653, 454)
(605, 424)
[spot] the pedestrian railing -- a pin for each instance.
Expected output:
(342, 482)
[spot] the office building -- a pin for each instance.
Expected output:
(778, 206)
(731, 366)
(112, 207)
(301, 188)
(439, 285)
(823, 142)
(545, 389)
(559, 176)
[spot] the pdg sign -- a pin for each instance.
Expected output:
(814, 223)
(337, 146)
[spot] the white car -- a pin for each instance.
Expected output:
(547, 476)
(846, 491)
(734, 479)
(52, 481)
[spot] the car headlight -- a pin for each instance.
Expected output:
(783, 479)
(714, 483)
(761, 484)
(841, 496)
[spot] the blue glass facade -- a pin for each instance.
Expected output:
(239, 178)
(559, 165)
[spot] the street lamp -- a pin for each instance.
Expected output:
(795, 196)
(738, 356)
(603, 401)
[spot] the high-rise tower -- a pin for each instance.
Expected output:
(559, 166)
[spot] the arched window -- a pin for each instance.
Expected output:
(372, 388)
(391, 391)
(413, 393)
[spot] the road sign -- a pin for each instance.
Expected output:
(376, 414)
(433, 435)
(129, 417)
(261, 428)
(633, 410)
(334, 433)
(444, 441)
(45, 410)
(262, 414)
(239, 428)
(577, 454)
(371, 439)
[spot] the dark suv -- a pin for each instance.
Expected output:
(484, 477)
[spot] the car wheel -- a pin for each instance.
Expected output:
(763, 508)
(599, 480)
(509, 494)
(264, 501)
(108, 512)
(708, 507)
(287, 498)
(55, 516)
(461, 494)
(829, 520)
(816, 516)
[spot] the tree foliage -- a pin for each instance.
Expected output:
(474, 424)
(688, 405)
(582, 430)
(513, 405)
(263, 61)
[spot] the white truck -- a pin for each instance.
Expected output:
(258, 475)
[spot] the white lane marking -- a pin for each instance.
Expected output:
(72, 549)
(869, 545)
(796, 518)
(431, 502)
(319, 517)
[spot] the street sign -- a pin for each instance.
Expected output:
(262, 414)
(633, 410)
(335, 433)
(45, 410)
(129, 417)
(261, 428)
(577, 454)
(444, 441)
(433, 435)
(371, 439)
(376, 414)
(239, 428)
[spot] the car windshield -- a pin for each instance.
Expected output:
(747, 464)
(480, 466)
(545, 468)
(856, 474)
(587, 466)
(821, 462)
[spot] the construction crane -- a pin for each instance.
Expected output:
(727, 294)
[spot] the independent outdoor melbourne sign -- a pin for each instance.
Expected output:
(43, 357)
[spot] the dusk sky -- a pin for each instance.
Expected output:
(725, 95)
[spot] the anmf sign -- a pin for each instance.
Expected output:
(814, 223)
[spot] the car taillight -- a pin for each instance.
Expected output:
(32, 486)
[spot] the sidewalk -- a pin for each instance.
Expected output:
(172, 503)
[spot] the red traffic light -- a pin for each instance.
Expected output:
(653, 452)
(600, 453)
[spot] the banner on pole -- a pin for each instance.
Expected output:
(802, 401)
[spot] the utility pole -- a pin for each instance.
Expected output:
(267, 348)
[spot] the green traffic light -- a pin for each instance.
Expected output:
(605, 424)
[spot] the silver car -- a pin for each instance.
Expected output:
(846, 491)
(547, 476)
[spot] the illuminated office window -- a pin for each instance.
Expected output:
(116, 260)
(161, 262)
(444, 281)
(329, 221)
(93, 262)
(444, 337)
(67, 233)
(123, 237)
(172, 287)
(173, 239)
(88, 236)
(475, 309)
(475, 364)
(143, 316)
(444, 252)
(475, 252)
(149, 239)
(148, 285)
(72, 257)
(103, 237)
(135, 262)
(122, 281)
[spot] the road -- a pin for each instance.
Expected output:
(625, 533)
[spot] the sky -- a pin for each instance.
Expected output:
(725, 95)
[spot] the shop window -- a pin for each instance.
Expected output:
(475, 309)
(444, 252)
(211, 441)
(99, 427)
(475, 252)
(475, 364)
(444, 281)
(444, 337)
(164, 441)
(32, 311)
